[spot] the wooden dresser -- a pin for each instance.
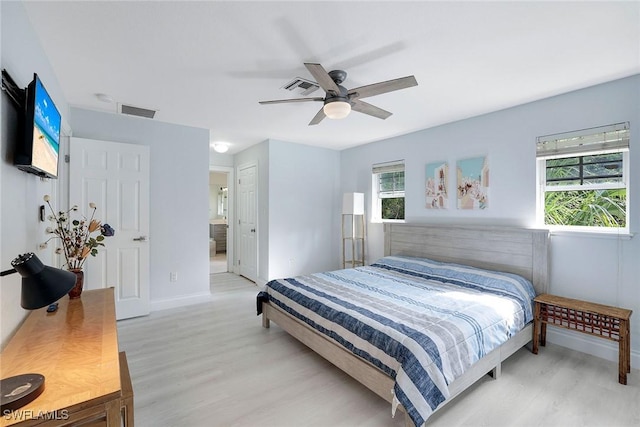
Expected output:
(76, 349)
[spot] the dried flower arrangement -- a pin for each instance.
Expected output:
(77, 235)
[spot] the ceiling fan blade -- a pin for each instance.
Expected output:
(322, 77)
(372, 110)
(282, 101)
(318, 117)
(383, 87)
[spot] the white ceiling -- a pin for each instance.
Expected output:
(207, 64)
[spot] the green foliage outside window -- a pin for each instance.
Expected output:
(393, 208)
(593, 207)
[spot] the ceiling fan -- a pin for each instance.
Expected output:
(339, 101)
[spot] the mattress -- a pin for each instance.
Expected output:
(420, 321)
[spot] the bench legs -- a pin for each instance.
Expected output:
(624, 342)
(539, 331)
(624, 353)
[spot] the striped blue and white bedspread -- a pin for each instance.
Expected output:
(420, 321)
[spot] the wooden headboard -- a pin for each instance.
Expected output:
(521, 251)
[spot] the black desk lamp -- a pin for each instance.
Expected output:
(41, 286)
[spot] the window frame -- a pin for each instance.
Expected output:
(378, 195)
(543, 187)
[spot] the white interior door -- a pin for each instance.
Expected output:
(247, 222)
(115, 176)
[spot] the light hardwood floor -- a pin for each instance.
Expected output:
(214, 365)
(218, 263)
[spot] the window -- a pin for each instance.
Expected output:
(583, 179)
(388, 190)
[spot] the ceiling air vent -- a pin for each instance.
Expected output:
(301, 86)
(136, 111)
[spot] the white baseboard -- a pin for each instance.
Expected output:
(598, 347)
(261, 283)
(180, 301)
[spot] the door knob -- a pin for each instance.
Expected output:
(140, 239)
(253, 230)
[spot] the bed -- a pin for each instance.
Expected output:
(398, 356)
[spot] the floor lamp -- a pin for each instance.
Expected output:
(352, 230)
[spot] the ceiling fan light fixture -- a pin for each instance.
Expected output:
(337, 109)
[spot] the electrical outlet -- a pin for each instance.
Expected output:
(173, 276)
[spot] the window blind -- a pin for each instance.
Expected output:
(395, 166)
(603, 138)
(390, 177)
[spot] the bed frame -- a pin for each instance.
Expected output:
(514, 250)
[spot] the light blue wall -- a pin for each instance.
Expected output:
(304, 215)
(178, 198)
(603, 270)
(21, 193)
(298, 188)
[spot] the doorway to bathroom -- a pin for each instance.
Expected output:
(219, 213)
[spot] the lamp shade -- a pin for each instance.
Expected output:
(353, 204)
(337, 109)
(41, 285)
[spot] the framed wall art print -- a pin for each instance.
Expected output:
(473, 183)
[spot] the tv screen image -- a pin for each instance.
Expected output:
(46, 132)
(38, 144)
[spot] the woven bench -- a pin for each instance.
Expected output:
(598, 320)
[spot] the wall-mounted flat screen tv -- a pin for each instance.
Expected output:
(38, 149)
